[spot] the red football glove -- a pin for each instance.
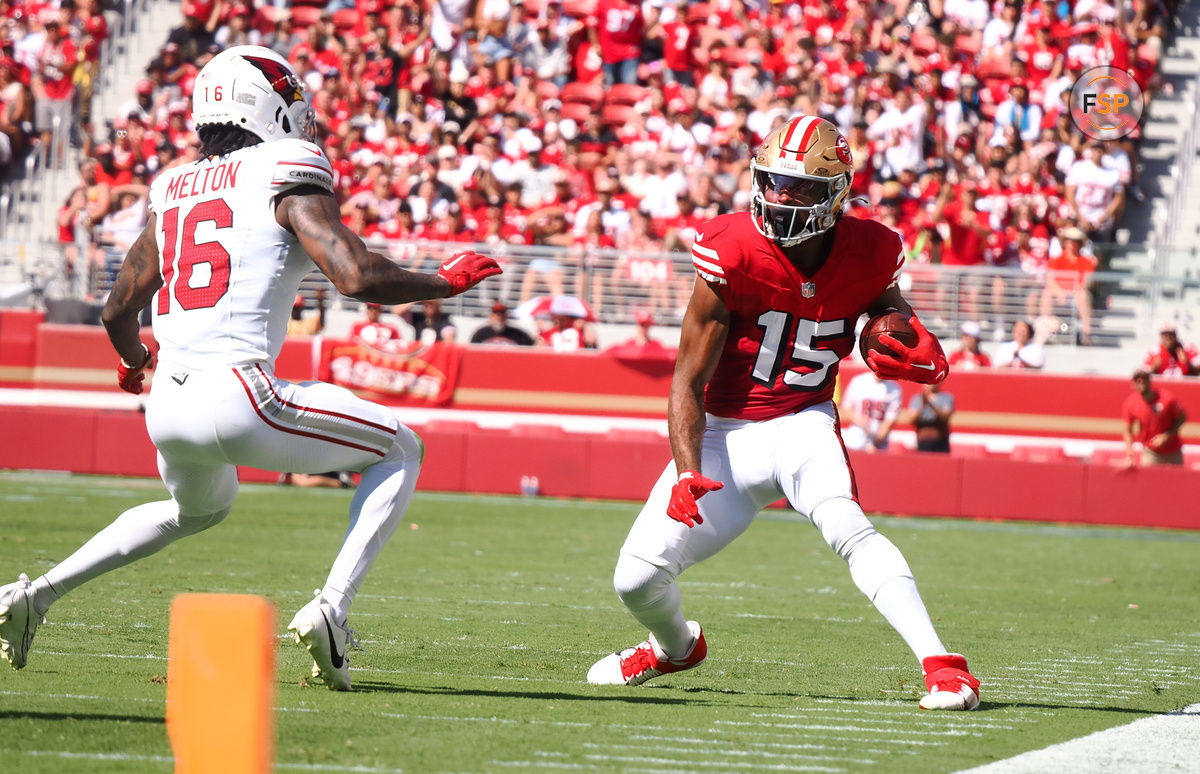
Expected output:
(690, 487)
(924, 363)
(129, 378)
(467, 269)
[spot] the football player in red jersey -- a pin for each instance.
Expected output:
(751, 419)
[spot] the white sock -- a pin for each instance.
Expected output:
(900, 603)
(137, 533)
(379, 504)
(653, 597)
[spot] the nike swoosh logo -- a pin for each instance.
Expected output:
(451, 265)
(313, 152)
(926, 366)
(336, 658)
(178, 379)
(699, 236)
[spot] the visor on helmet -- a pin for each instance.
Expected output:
(793, 190)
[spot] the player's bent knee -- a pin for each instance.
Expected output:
(190, 525)
(842, 523)
(639, 583)
(407, 450)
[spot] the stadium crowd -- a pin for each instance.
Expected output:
(588, 125)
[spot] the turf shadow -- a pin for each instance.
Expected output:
(77, 716)
(373, 687)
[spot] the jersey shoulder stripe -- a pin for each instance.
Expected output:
(296, 163)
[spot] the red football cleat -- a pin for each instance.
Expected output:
(951, 686)
(636, 665)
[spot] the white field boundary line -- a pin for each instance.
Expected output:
(90, 756)
(1163, 743)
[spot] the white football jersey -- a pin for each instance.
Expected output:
(874, 399)
(230, 271)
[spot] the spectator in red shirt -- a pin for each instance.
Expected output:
(678, 42)
(641, 344)
(1172, 357)
(1068, 278)
(54, 88)
(372, 332)
(970, 357)
(1153, 417)
(618, 28)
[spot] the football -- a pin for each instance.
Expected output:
(890, 321)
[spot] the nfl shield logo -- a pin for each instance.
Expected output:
(808, 289)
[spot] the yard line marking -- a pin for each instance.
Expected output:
(168, 759)
(80, 696)
(777, 745)
(149, 656)
(838, 729)
(735, 753)
(907, 721)
(721, 765)
(1168, 742)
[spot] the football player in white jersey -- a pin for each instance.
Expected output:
(228, 241)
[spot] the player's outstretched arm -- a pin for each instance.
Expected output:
(705, 326)
(312, 214)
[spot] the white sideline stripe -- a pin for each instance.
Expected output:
(1168, 742)
(776, 745)
(167, 759)
(734, 753)
(719, 765)
(148, 656)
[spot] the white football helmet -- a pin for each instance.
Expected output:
(254, 88)
(800, 180)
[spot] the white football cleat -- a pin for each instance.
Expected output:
(951, 686)
(636, 665)
(329, 643)
(18, 621)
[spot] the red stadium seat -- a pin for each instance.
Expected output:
(618, 115)
(735, 56)
(923, 42)
(305, 15)
(625, 94)
(590, 94)
(968, 450)
(345, 19)
(577, 111)
(1022, 453)
(580, 9)
(547, 90)
(264, 19)
(993, 67)
(698, 13)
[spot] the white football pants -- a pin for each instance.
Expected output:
(204, 423)
(799, 457)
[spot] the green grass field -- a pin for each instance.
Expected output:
(484, 613)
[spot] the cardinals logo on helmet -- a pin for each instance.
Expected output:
(280, 78)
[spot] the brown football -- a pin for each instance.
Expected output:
(890, 321)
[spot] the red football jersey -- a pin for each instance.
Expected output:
(787, 331)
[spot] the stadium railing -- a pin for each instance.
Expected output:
(617, 285)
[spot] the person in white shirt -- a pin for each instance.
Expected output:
(1095, 193)
(902, 128)
(228, 240)
(870, 405)
(1022, 351)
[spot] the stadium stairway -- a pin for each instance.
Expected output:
(150, 22)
